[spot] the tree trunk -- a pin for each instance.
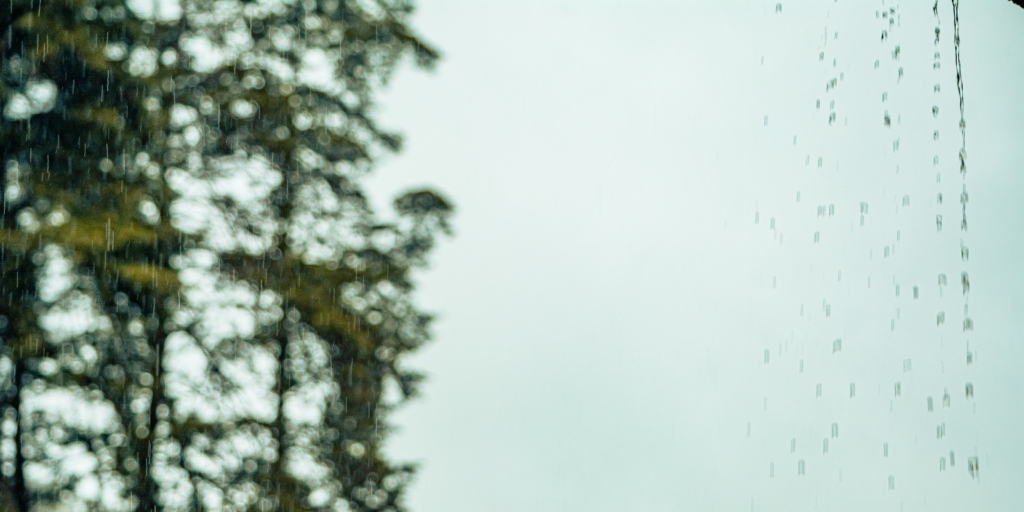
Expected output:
(147, 488)
(20, 492)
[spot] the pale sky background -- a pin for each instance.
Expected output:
(603, 308)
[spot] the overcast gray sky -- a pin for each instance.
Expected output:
(604, 306)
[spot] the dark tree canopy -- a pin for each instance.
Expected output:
(199, 309)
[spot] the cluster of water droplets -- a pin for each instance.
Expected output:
(872, 278)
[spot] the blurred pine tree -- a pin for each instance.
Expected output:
(199, 309)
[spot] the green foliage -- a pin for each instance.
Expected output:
(199, 309)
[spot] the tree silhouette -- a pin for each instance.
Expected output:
(199, 309)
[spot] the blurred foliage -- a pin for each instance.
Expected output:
(199, 309)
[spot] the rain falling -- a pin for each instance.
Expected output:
(710, 255)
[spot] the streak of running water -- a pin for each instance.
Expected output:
(965, 282)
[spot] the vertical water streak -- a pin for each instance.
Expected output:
(968, 324)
